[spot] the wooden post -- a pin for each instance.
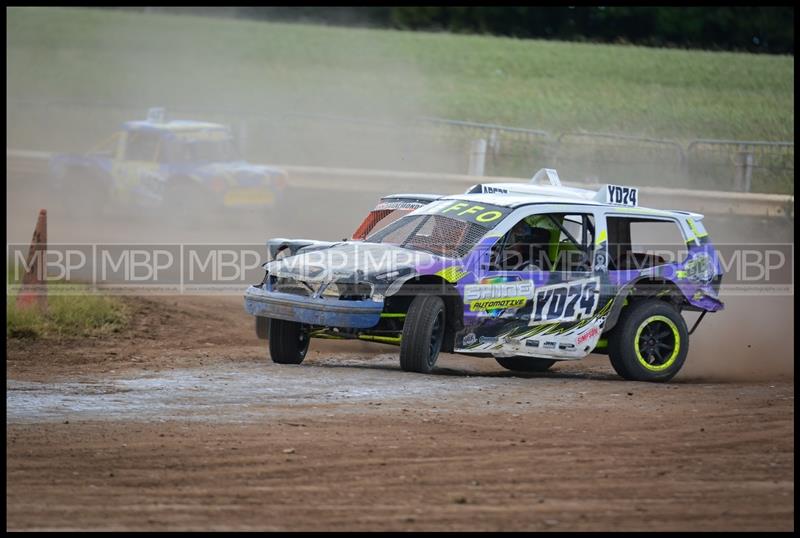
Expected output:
(477, 157)
(744, 170)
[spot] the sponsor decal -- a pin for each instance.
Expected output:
(495, 304)
(500, 295)
(591, 333)
(565, 302)
(532, 343)
(502, 290)
(498, 279)
(600, 262)
(398, 205)
(470, 339)
(487, 339)
(700, 268)
(487, 188)
(695, 230)
(486, 215)
(453, 273)
(549, 345)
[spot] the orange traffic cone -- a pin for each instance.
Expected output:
(34, 285)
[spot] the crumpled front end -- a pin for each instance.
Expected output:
(312, 309)
(341, 286)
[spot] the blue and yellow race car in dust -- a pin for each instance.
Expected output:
(177, 165)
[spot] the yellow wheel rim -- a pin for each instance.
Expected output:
(657, 343)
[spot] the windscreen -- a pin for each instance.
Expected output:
(187, 149)
(213, 150)
(446, 228)
(377, 219)
(386, 212)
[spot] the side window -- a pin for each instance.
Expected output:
(141, 146)
(548, 242)
(639, 243)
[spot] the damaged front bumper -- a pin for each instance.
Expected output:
(321, 311)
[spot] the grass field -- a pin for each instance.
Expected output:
(72, 310)
(67, 315)
(104, 56)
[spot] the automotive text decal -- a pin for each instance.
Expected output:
(498, 295)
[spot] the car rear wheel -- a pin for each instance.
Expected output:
(525, 364)
(650, 341)
(423, 333)
(288, 341)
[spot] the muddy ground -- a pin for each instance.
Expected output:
(182, 422)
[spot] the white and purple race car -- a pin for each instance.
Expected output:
(529, 274)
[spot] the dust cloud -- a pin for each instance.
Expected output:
(288, 103)
(294, 116)
(753, 337)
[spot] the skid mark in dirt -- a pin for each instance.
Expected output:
(258, 389)
(181, 422)
(689, 463)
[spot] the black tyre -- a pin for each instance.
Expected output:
(650, 341)
(262, 327)
(423, 333)
(525, 364)
(288, 341)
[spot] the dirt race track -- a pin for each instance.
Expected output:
(182, 422)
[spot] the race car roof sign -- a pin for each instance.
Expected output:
(618, 195)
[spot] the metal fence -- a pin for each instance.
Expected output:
(435, 145)
(606, 157)
(747, 166)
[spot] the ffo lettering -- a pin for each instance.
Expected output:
(565, 302)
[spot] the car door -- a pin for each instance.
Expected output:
(538, 286)
(136, 170)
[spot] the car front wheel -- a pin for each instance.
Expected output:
(288, 341)
(423, 333)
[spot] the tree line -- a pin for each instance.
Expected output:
(735, 28)
(760, 29)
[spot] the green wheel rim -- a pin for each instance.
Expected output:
(657, 343)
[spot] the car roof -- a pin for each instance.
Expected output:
(536, 191)
(560, 195)
(171, 126)
(412, 196)
(515, 200)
